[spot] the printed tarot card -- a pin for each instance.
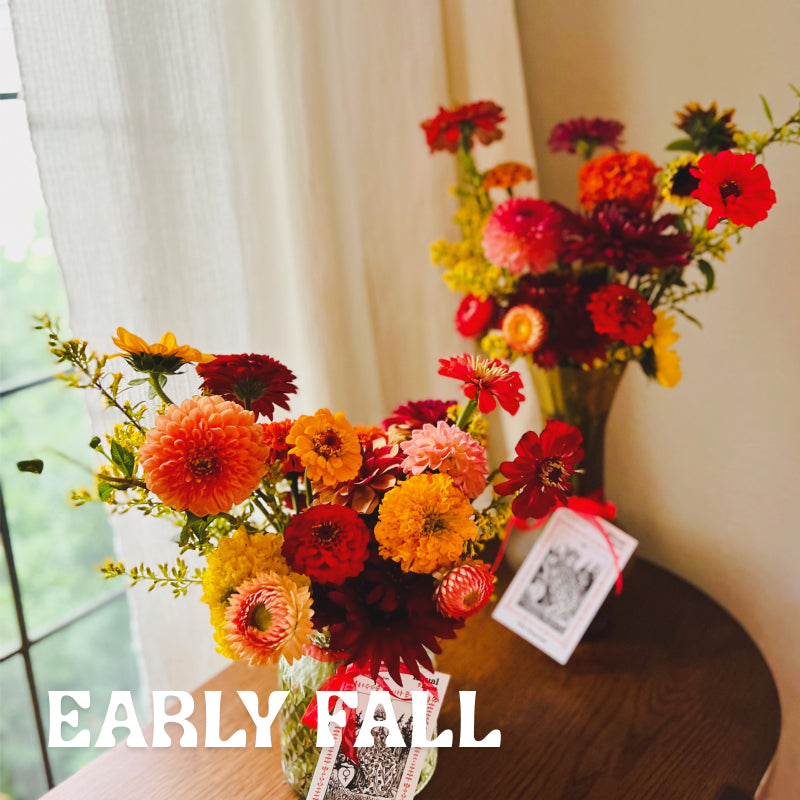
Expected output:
(563, 582)
(382, 772)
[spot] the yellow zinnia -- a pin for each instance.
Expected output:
(424, 522)
(165, 356)
(238, 558)
(668, 362)
(327, 446)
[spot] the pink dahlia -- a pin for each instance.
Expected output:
(450, 450)
(523, 235)
(464, 590)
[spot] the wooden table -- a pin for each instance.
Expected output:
(675, 702)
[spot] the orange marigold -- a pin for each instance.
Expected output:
(205, 455)
(507, 175)
(620, 177)
(327, 446)
(369, 433)
(424, 522)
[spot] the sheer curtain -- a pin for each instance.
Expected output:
(251, 175)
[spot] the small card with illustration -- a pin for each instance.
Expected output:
(386, 770)
(563, 581)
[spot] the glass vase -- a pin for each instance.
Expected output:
(583, 398)
(299, 753)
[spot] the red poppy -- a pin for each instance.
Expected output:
(488, 380)
(621, 313)
(474, 315)
(328, 543)
(259, 383)
(734, 187)
(542, 469)
(444, 131)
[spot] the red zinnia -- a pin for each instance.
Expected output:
(416, 413)
(488, 380)
(622, 313)
(444, 131)
(734, 187)
(541, 470)
(259, 383)
(328, 543)
(275, 437)
(474, 315)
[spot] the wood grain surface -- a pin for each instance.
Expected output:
(675, 702)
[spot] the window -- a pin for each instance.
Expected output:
(62, 627)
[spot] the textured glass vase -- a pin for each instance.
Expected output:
(581, 398)
(299, 754)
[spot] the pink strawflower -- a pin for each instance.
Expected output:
(464, 590)
(450, 450)
(523, 235)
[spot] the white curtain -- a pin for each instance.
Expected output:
(251, 175)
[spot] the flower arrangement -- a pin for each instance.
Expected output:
(369, 535)
(600, 286)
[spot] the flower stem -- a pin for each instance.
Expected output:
(467, 413)
(154, 382)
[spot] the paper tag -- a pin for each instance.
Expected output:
(382, 772)
(563, 582)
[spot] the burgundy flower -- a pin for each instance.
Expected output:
(328, 543)
(416, 413)
(625, 238)
(542, 469)
(584, 135)
(259, 383)
(621, 313)
(488, 380)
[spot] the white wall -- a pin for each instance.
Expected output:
(704, 474)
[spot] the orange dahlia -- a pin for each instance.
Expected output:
(327, 446)
(268, 617)
(507, 175)
(205, 455)
(524, 328)
(465, 590)
(620, 177)
(424, 522)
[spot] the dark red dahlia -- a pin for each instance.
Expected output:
(416, 413)
(584, 136)
(621, 313)
(625, 238)
(474, 315)
(384, 617)
(488, 380)
(258, 383)
(734, 187)
(448, 128)
(327, 542)
(542, 469)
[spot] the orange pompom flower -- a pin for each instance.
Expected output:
(619, 177)
(204, 456)
(268, 617)
(507, 175)
(524, 328)
(327, 446)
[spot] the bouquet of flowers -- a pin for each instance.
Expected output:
(362, 540)
(599, 287)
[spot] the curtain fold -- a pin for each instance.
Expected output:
(251, 175)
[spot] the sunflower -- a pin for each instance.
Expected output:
(165, 356)
(677, 181)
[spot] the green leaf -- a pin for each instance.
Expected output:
(105, 491)
(195, 527)
(682, 144)
(794, 89)
(708, 273)
(687, 315)
(122, 458)
(767, 110)
(35, 465)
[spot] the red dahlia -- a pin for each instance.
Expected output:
(384, 616)
(488, 380)
(328, 543)
(259, 383)
(542, 469)
(734, 187)
(474, 315)
(621, 313)
(444, 131)
(584, 135)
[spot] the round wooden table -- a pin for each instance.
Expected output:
(674, 702)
